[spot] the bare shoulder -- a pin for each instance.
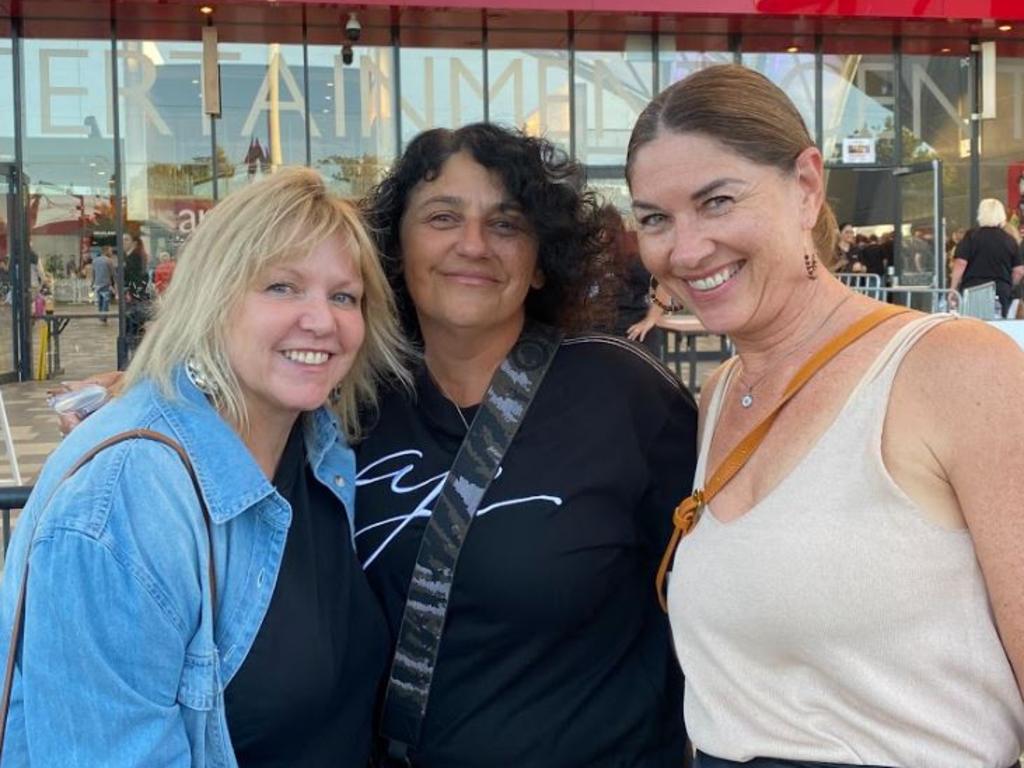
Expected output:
(962, 357)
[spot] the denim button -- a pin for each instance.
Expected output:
(339, 481)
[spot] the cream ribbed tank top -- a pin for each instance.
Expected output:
(833, 622)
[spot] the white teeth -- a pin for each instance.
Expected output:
(306, 357)
(715, 280)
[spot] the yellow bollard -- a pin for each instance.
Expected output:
(42, 368)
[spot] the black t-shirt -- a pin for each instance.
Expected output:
(305, 694)
(991, 254)
(556, 653)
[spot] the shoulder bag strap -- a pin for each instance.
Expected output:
(504, 406)
(688, 513)
(19, 611)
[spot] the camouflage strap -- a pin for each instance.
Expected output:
(503, 409)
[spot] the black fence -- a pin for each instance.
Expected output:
(12, 497)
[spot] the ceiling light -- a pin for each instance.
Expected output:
(206, 10)
(945, 50)
(1005, 27)
(793, 49)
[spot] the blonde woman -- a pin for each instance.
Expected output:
(988, 253)
(137, 650)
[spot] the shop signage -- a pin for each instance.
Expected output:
(859, 151)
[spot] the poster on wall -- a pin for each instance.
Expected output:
(858, 151)
(1015, 193)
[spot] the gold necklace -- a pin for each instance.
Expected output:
(747, 399)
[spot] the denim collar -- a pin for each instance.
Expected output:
(230, 479)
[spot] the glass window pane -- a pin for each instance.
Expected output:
(263, 110)
(6, 94)
(442, 79)
(792, 71)
(1002, 137)
(936, 125)
(529, 86)
(614, 82)
(857, 101)
(166, 142)
(682, 55)
(67, 118)
(352, 115)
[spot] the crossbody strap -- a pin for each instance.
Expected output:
(689, 510)
(502, 411)
(19, 611)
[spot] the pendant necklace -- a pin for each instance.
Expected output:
(451, 400)
(747, 399)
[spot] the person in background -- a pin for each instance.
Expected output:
(137, 299)
(629, 282)
(847, 252)
(824, 602)
(554, 651)
(103, 279)
(163, 272)
(988, 254)
(269, 342)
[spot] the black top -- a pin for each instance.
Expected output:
(556, 653)
(991, 254)
(305, 694)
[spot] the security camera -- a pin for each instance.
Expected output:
(346, 54)
(353, 28)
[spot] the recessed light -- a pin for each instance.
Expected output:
(793, 49)
(945, 50)
(330, 84)
(327, 97)
(206, 10)
(195, 82)
(1005, 27)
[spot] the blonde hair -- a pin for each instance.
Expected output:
(991, 213)
(744, 111)
(278, 219)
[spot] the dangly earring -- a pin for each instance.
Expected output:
(811, 265)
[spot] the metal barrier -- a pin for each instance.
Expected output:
(12, 497)
(867, 283)
(980, 301)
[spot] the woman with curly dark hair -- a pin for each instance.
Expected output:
(552, 650)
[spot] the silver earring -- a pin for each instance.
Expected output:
(198, 377)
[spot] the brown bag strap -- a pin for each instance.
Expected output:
(687, 513)
(19, 611)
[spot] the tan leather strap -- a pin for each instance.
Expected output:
(19, 613)
(687, 513)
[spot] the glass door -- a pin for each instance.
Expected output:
(918, 225)
(11, 261)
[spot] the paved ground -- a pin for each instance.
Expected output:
(87, 346)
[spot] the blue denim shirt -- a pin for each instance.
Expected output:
(121, 663)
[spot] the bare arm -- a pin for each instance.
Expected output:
(1018, 275)
(959, 265)
(967, 374)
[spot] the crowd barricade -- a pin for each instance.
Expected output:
(72, 290)
(867, 283)
(980, 301)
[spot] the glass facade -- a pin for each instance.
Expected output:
(113, 139)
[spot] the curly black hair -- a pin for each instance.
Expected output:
(547, 185)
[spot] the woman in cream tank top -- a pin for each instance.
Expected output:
(854, 593)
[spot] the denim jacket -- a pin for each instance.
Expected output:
(121, 662)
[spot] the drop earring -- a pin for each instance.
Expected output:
(811, 265)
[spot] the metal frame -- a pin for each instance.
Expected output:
(15, 200)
